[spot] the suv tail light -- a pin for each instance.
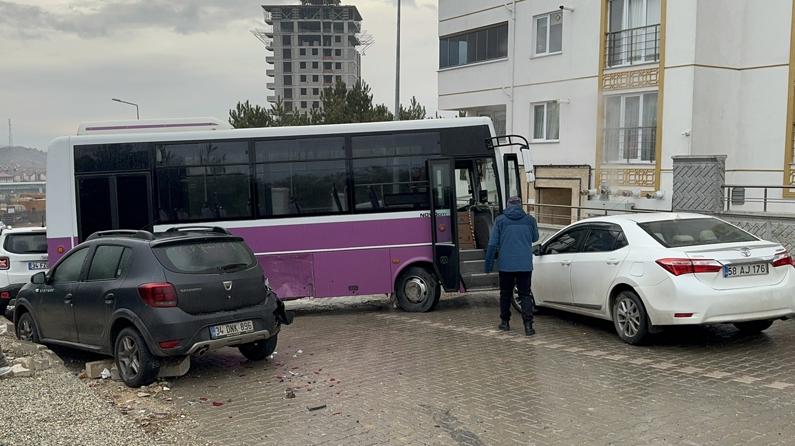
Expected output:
(5, 263)
(677, 267)
(158, 295)
(783, 259)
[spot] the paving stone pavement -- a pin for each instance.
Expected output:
(374, 375)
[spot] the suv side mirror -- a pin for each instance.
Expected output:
(537, 250)
(39, 278)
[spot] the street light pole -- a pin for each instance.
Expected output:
(137, 114)
(397, 68)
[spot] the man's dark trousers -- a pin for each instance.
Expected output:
(520, 280)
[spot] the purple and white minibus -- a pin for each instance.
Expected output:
(336, 210)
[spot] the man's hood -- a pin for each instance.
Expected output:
(515, 212)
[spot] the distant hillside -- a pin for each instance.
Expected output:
(22, 159)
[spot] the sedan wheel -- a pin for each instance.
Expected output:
(629, 318)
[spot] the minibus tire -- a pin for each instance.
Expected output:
(417, 290)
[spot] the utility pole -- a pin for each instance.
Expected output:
(397, 67)
(10, 135)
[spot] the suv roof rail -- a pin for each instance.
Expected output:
(143, 235)
(215, 229)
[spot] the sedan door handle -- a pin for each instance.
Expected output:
(613, 262)
(68, 299)
(109, 298)
(566, 263)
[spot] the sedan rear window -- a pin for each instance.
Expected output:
(693, 232)
(206, 257)
(26, 243)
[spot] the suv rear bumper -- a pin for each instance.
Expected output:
(193, 331)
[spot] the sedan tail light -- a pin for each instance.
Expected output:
(783, 259)
(677, 267)
(5, 263)
(158, 295)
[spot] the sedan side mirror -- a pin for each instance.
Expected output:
(537, 250)
(39, 278)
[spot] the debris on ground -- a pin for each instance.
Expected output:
(289, 393)
(314, 408)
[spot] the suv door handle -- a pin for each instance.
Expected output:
(68, 299)
(109, 298)
(566, 263)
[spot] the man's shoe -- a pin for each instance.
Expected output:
(504, 326)
(528, 330)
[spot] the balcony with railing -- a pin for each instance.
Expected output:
(632, 46)
(630, 145)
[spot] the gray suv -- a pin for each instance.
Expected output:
(147, 298)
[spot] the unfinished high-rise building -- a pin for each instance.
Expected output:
(310, 47)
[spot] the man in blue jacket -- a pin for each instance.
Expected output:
(512, 239)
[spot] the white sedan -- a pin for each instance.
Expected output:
(647, 271)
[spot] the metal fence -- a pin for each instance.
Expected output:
(752, 198)
(633, 46)
(562, 215)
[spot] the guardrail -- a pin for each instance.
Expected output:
(736, 198)
(562, 215)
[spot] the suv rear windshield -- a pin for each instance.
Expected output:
(31, 243)
(202, 257)
(692, 232)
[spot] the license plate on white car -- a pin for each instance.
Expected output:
(33, 266)
(747, 269)
(233, 329)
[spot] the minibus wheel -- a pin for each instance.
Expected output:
(417, 290)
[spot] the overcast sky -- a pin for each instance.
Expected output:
(61, 61)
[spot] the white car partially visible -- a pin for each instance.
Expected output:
(23, 252)
(648, 271)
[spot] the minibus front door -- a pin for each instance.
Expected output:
(444, 237)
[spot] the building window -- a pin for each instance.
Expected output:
(326, 40)
(302, 65)
(303, 92)
(288, 80)
(303, 104)
(303, 78)
(315, 91)
(315, 78)
(549, 33)
(327, 52)
(338, 39)
(315, 104)
(630, 128)
(287, 53)
(327, 27)
(287, 40)
(315, 65)
(474, 46)
(302, 51)
(288, 106)
(288, 93)
(288, 67)
(633, 32)
(326, 65)
(287, 27)
(546, 121)
(328, 79)
(337, 66)
(338, 53)
(314, 51)
(339, 27)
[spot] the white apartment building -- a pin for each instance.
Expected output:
(608, 91)
(310, 47)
